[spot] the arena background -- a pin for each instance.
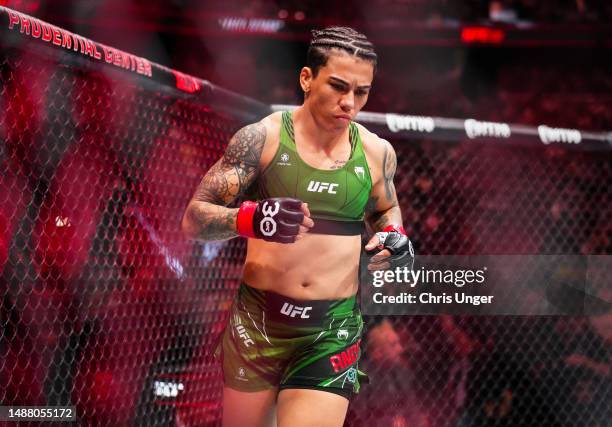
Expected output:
(105, 305)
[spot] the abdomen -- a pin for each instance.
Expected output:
(318, 266)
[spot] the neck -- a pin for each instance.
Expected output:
(313, 131)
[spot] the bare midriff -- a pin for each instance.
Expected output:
(317, 267)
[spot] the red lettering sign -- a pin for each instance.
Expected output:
(57, 40)
(67, 40)
(25, 25)
(46, 33)
(97, 53)
(13, 19)
(108, 54)
(88, 48)
(36, 31)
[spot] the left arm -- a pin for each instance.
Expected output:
(384, 217)
(383, 208)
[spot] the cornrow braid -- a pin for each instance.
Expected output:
(344, 38)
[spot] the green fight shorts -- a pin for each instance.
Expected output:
(275, 341)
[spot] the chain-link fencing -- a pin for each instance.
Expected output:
(107, 307)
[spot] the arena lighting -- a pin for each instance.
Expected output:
(482, 35)
(111, 329)
(26, 6)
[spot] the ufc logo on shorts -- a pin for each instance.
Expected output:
(267, 226)
(294, 310)
(244, 335)
(319, 187)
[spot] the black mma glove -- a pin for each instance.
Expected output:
(274, 220)
(394, 239)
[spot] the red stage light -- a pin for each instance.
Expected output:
(482, 35)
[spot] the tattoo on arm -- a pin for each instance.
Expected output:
(379, 220)
(236, 170)
(223, 183)
(371, 205)
(389, 167)
(211, 222)
(391, 212)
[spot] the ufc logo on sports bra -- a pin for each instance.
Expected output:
(319, 187)
(267, 224)
(294, 310)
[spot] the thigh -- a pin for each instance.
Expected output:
(330, 361)
(310, 408)
(249, 409)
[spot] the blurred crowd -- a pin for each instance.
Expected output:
(568, 86)
(486, 371)
(539, 86)
(91, 252)
(422, 11)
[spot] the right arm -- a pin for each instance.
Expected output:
(206, 216)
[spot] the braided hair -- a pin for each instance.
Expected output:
(344, 38)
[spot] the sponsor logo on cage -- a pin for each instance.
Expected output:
(267, 224)
(319, 187)
(294, 310)
(342, 334)
(235, 23)
(345, 358)
(186, 83)
(167, 388)
(475, 129)
(360, 172)
(396, 123)
(284, 160)
(568, 136)
(59, 37)
(351, 375)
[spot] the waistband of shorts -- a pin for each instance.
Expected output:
(280, 307)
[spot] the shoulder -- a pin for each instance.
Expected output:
(378, 151)
(259, 133)
(271, 126)
(272, 123)
(266, 127)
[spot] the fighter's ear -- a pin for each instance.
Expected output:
(306, 77)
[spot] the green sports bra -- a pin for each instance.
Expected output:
(336, 198)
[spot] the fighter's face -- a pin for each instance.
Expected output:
(340, 89)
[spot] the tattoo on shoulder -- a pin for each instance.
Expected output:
(389, 167)
(237, 169)
(244, 149)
